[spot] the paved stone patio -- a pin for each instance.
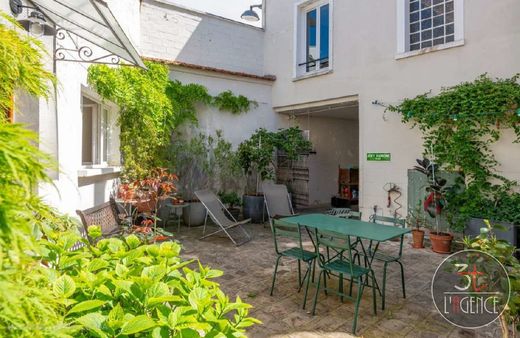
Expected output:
(248, 271)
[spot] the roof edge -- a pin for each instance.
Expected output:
(177, 63)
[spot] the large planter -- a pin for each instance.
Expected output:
(511, 234)
(194, 214)
(441, 242)
(254, 208)
(418, 238)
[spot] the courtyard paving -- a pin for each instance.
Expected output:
(248, 271)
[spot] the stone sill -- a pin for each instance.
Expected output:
(448, 45)
(313, 74)
(97, 171)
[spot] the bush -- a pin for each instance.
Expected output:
(121, 287)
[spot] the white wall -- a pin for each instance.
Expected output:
(364, 49)
(336, 144)
(235, 128)
(174, 33)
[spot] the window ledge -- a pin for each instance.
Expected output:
(430, 49)
(97, 171)
(313, 74)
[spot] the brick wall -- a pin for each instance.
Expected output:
(175, 33)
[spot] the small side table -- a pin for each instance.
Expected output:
(175, 208)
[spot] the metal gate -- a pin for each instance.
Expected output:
(295, 175)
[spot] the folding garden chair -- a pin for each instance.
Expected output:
(223, 218)
(293, 232)
(277, 200)
(389, 258)
(342, 264)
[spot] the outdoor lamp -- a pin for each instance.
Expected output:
(35, 22)
(250, 14)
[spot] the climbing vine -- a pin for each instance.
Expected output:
(460, 125)
(151, 107)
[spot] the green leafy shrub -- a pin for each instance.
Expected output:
(236, 104)
(124, 288)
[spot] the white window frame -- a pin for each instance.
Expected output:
(403, 30)
(102, 125)
(301, 8)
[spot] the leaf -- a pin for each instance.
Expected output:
(64, 287)
(132, 241)
(93, 322)
(121, 270)
(86, 305)
(116, 317)
(138, 324)
(198, 298)
(97, 264)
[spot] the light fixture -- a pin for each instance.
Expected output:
(35, 22)
(250, 14)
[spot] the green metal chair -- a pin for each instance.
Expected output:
(342, 264)
(389, 258)
(280, 230)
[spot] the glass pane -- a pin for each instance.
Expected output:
(426, 13)
(415, 47)
(450, 38)
(449, 17)
(438, 21)
(312, 52)
(438, 41)
(426, 35)
(414, 6)
(324, 36)
(426, 24)
(104, 126)
(449, 6)
(426, 44)
(87, 136)
(438, 10)
(414, 17)
(438, 32)
(450, 29)
(415, 38)
(436, 2)
(414, 27)
(426, 3)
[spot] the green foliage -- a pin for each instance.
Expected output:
(152, 106)
(231, 198)
(20, 64)
(256, 155)
(504, 252)
(124, 288)
(204, 162)
(460, 124)
(227, 101)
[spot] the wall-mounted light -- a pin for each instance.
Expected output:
(250, 14)
(35, 22)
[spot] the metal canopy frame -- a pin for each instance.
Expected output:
(87, 31)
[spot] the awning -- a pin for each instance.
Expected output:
(87, 31)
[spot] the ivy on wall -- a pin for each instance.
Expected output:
(151, 107)
(459, 127)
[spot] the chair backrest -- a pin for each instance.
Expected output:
(277, 200)
(337, 242)
(355, 215)
(105, 215)
(286, 230)
(388, 220)
(216, 210)
(344, 213)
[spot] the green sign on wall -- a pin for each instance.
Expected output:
(378, 157)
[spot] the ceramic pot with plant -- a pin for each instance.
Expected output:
(415, 220)
(434, 203)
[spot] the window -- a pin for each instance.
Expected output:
(313, 36)
(429, 23)
(99, 134)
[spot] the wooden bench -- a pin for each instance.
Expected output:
(106, 216)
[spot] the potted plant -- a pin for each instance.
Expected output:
(190, 158)
(415, 219)
(434, 203)
(257, 159)
(232, 202)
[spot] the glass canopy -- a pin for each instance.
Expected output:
(87, 31)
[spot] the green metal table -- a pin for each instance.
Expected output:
(374, 232)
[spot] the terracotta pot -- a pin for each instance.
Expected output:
(441, 242)
(418, 239)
